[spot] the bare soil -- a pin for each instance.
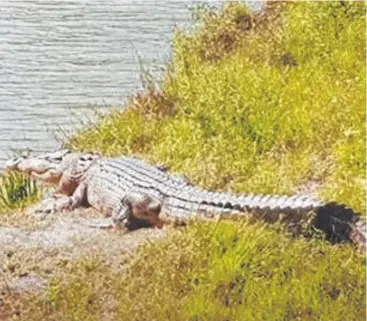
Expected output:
(34, 249)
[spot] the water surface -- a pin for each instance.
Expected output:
(59, 58)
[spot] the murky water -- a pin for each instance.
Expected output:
(59, 58)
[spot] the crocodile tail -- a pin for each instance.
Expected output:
(338, 222)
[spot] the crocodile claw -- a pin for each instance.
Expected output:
(47, 206)
(101, 224)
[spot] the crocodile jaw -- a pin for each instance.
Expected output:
(47, 164)
(30, 165)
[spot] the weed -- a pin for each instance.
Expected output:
(17, 191)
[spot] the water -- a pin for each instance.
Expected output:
(59, 58)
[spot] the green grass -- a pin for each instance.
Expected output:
(223, 271)
(233, 272)
(17, 191)
(249, 103)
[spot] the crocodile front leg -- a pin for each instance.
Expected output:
(50, 205)
(136, 210)
(60, 202)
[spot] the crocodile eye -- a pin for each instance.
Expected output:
(87, 157)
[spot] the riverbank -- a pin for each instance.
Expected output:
(266, 109)
(271, 103)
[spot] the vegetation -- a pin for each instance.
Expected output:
(270, 103)
(17, 191)
(256, 103)
(212, 272)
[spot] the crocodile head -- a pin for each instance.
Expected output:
(38, 164)
(47, 167)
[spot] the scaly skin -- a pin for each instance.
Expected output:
(72, 173)
(134, 193)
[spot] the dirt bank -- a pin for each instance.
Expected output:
(33, 249)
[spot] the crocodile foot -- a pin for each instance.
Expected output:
(105, 224)
(130, 224)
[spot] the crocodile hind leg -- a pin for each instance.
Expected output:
(143, 211)
(136, 210)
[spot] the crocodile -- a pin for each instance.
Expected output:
(134, 194)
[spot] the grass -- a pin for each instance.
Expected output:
(223, 271)
(269, 103)
(254, 104)
(17, 191)
(213, 272)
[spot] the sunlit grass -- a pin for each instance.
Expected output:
(223, 271)
(267, 114)
(249, 103)
(232, 272)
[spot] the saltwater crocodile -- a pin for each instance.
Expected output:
(134, 194)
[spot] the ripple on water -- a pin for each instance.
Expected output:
(58, 56)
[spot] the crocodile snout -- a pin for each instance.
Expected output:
(13, 163)
(28, 165)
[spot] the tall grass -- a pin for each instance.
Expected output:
(225, 271)
(270, 103)
(232, 272)
(256, 103)
(17, 191)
